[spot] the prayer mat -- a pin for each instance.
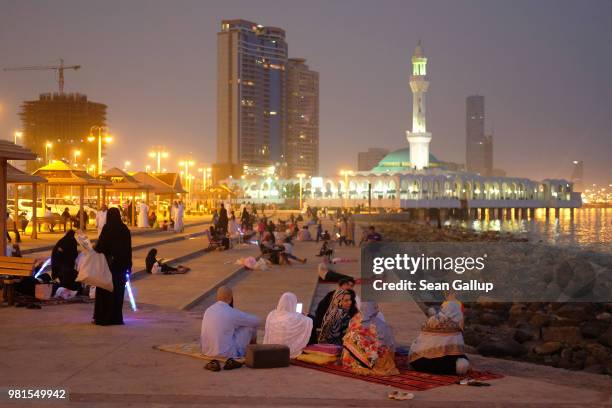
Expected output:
(407, 379)
(25, 300)
(191, 350)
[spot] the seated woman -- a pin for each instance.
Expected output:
(439, 348)
(63, 258)
(304, 234)
(368, 347)
(162, 267)
(336, 320)
(271, 252)
(286, 326)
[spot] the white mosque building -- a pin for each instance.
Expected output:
(412, 178)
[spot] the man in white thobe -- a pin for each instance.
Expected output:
(226, 331)
(143, 216)
(178, 221)
(101, 218)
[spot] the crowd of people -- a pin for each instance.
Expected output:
(358, 330)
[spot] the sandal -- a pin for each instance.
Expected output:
(231, 364)
(400, 395)
(213, 365)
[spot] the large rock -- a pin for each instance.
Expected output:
(501, 348)
(524, 333)
(572, 311)
(606, 338)
(563, 274)
(568, 335)
(489, 319)
(539, 319)
(550, 347)
(593, 329)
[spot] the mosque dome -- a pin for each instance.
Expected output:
(399, 160)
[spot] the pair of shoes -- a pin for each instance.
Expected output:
(400, 395)
(230, 364)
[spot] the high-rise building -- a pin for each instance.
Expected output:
(368, 160)
(251, 70)
(302, 137)
(578, 175)
(57, 125)
(475, 136)
(487, 151)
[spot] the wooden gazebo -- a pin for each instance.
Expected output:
(123, 182)
(162, 184)
(8, 151)
(17, 177)
(59, 173)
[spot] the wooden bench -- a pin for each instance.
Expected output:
(12, 269)
(51, 221)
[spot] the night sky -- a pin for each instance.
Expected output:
(544, 67)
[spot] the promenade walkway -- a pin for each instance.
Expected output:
(116, 366)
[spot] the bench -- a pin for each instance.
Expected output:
(50, 220)
(13, 269)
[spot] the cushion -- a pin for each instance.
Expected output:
(331, 349)
(316, 358)
(267, 356)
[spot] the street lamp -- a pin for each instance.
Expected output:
(107, 139)
(17, 135)
(187, 164)
(158, 154)
(346, 174)
(48, 145)
(77, 153)
(147, 168)
(300, 176)
(126, 165)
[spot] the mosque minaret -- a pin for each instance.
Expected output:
(419, 138)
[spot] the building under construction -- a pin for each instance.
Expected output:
(57, 125)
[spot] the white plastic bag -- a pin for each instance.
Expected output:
(93, 270)
(156, 269)
(64, 293)
(92, 292)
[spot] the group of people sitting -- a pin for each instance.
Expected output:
(358, 328)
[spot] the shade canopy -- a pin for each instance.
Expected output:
(171, 179)
(11, 151)
(59, 173)
(158, 184)
(120, 180)
(16, 176)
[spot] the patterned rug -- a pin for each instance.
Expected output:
(25, 300)
(191, 350)
(408, 379)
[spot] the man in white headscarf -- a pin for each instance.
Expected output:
(101, 218)
(286, 326)
(178, 220)
(143, 215)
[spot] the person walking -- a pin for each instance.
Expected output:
(115, 243)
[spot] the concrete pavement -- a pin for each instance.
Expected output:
(57, 347)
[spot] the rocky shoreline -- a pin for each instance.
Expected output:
(576, 336)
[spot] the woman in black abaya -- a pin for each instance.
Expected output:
(115, 243)
(63, 257)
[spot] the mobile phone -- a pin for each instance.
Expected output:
(298, 308)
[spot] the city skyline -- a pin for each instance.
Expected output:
(526, 66)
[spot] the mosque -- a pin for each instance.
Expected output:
(413, 178)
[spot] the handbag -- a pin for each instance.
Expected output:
(93, 270)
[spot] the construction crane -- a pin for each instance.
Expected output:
(59, 68)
